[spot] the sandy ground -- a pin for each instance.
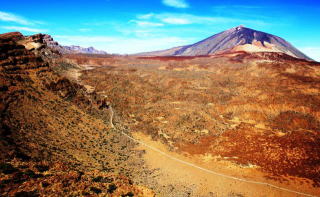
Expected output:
(75, 73)
(201, 183)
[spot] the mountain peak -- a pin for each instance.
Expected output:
(239, 38)
(238, 28)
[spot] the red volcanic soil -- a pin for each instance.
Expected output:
(176, 58)
(294, 154)
(235, 56)
(239, 56)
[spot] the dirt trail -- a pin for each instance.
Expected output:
(179, 171)
(75, 74)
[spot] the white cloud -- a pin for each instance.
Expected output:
(122, 45)
(147, 23)
(145, 16)
(176, 3)
(27, 29)
(4, 16)
(142, 33)
(312, 52)
(176, 21)
(186, 19)
(13, 18)
(84, 29)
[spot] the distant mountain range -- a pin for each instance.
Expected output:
(78, 49)
(235, 39)
(70, 49)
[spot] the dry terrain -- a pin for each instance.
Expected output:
(231, 124)
(248, 115)
(55, 138)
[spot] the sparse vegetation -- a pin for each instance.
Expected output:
(27, 194)
(42, 168)
(112, 188)
(7, 168)
(95, 190)
(129, 194)
(64, 66)
(242, 108)
(52, 129)
(250, 110)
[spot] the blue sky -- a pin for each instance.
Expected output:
(131, 26)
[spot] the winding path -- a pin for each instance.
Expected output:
(201, 168)
(213, 172)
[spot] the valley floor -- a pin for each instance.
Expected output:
(191, 176)
(181, 167)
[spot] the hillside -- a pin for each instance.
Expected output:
(55, 137)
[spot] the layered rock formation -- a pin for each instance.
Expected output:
(50, 42)
(48, 120)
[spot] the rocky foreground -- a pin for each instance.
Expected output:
(54, 137)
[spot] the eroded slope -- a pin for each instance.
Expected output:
(47, 120)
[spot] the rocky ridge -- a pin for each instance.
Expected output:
(50, 42)
(49, 121)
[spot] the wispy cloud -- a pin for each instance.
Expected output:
(8, 17)
(11, 20)
(187, 19)
(27, 29)
(176, 3)
(146, 23)
(145, 16)
(84, 29)
(176, 21)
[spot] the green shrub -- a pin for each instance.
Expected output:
(95, 190)
(97, 179)
(42, 168)
(112, 188)
(27, 194)
(129, 194)
(7, 168)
